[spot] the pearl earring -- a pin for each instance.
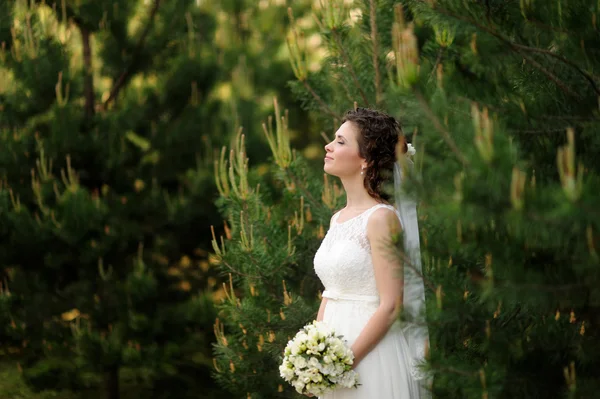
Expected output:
(361, 172)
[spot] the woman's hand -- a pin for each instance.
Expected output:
(356, 359)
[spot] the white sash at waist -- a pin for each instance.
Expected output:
(349, 297)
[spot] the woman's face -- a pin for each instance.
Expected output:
(342, 158)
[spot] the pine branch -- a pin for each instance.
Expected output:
(88, 84)
(407, 262)
(85, 30)
(540, 287)
(488, 11)
(440, 128)
(455, 371)
(373, 15)
(69, 14)
(561, 85)
(542, 131)
(121, 80)
(234, 270)
(566, 117)
(340, 79)
(517, 47)
(346, 58)
(437, 61)
(590, 78)
(320, 101)
(542, 25)
(305, 192)
(511, 317)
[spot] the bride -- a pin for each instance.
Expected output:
(366, 284)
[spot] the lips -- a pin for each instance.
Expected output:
(329, 158)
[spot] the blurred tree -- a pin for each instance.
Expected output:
(267, 251)
(107, 123)
(251, 47)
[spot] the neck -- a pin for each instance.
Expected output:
(357, 196)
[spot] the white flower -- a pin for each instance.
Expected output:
(328, 369)
(300, 362)
(314, 363)
(411, 150)
(348, 380)
(286, 371)
(296, 349)
(313, 335)
(299, 385)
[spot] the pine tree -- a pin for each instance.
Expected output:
(107, 129)
(274, 224)
(501, 101)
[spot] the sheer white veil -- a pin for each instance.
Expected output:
(414, 326)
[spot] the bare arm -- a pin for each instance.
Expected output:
(322, 309)
(389, 278)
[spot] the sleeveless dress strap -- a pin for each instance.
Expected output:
(335, 216)
(368, 213)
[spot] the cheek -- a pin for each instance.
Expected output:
(350, 155)
(347, 158)
(343, 152)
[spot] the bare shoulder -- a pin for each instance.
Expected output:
(383, 222)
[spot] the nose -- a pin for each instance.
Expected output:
(327, 147)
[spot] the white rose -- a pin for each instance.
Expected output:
(317, 377)
(339, 369)
(286, 373)
(328, 369)
(348, 380)
(299, 385)
(294, 348)
(300, 362)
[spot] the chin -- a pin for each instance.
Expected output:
(329, 171)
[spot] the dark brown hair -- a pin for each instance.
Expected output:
(378, 136)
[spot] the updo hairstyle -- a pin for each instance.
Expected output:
(377, 140)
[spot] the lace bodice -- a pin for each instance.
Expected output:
(343, 261)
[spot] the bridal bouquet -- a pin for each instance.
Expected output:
(317, 361)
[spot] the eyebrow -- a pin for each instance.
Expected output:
(340, 136)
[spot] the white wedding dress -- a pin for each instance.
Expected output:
(345, 267)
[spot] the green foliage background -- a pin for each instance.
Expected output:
(113, 115)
